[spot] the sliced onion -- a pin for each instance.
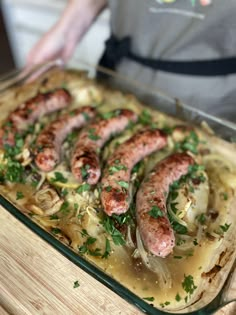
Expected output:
(189, 240)
(46, 222)
(155, 264)
(55, 208)
(24, 157)
(42, 180)
(48, 200)
(35, 209)
(129, 240)
(174, 216)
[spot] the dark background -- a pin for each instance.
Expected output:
(6, 57)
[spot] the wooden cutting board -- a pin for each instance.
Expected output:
(36, 279)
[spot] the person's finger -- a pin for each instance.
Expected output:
(68, 50)
(48, 48)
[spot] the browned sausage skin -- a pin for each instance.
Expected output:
(49, 141)
(115, 195)
(28, 112)
(92, 139)
(156, 232)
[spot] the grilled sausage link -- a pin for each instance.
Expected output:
(49, 141)
(28, 112)
(156, 231)
(85, 163)
(115, 195)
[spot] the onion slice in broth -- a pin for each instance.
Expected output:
(155, 264)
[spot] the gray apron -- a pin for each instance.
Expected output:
(181, 32)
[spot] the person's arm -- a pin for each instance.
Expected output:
(60, 41)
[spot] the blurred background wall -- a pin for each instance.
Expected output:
(25, 21)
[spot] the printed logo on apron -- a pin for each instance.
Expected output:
(164, 6)
(202, 2)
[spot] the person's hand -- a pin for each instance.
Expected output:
(60, 41)
(53, 45)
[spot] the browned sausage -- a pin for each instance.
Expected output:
(156, 232)
(28, 112)
(85, 159)
(49, 141)
(115, 182)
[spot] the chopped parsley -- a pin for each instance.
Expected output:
(13, 171)
(109, 227)
(123, 184)
(84, 171)
(137, 167)
(190, 143)
(178, 257)
(164, 304)
(54, 217)
(59, 178)
(201, 218)
(149, 298)
(109, 115)
(108, 188)
(224, 195)
(82, 188)
(76, 206)
(86, 247)
(124, 218)
(55, 230)
(76, 284)
(107, 251)
(195, 242)
(116, 168)
(179, 228)
(64, 192)
(92, 135)
(65, 207)
(188, 284)
(156, 212)
(225, 227)
(178, 297)
(86, 116)
(145, 117)
(168, 130)
(19, 195)
(84, 233)
(71, 137)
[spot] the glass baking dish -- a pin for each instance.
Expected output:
(170, 106)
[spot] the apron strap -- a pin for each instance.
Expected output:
(117, 49)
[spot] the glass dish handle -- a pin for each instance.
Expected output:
(25, 75)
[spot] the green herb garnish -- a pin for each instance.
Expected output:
(145, 117)
(82, 188)
(150, 299)
(188, 284)
(116, 168)
(201, 218)
(92, 135)
(108, 188)
(117, 237)
(19, 195)
(123, 184)
(178, 297)
(59, 178)
(156, 212)
(107, 251)
(225, 227)
(55, 230)
(84, 171)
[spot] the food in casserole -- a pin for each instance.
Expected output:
(142, 195)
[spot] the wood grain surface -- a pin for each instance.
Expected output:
(36, 279)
